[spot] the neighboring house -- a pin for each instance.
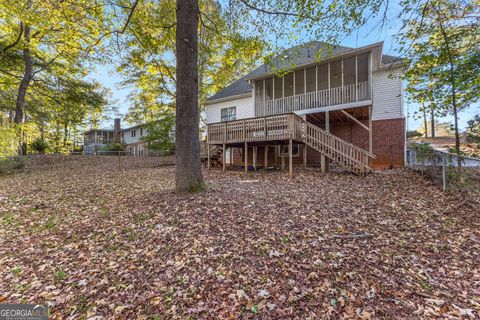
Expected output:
(96, 140)
(336, 104)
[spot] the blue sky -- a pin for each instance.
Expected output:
(368, 34)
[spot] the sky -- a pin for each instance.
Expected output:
(366, 35)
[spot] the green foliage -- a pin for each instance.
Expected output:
(160, 134)
(413, 134)
(423, 150)
(8, 141)
(39, 145)
(441, 41)
(115, 147)
(473, 130)
(11, 164)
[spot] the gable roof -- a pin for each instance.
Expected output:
(303, 54)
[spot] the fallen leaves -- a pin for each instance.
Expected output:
(105, 243)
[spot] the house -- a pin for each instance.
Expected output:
(96, 140)
(331, 104)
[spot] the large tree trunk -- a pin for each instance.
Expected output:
(22, 89)
(188, 174)
(432, 123)
(425, 125)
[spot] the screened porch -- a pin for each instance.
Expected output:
(342, 81)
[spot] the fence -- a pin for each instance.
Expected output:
(451, 172)
(102, 161)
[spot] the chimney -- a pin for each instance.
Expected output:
(116, 130)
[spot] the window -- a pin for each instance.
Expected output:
(133, 133)
(141, 132)
(228, 114)
(295, 150)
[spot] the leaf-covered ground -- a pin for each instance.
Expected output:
(119, 244)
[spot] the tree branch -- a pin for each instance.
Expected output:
(17, 40)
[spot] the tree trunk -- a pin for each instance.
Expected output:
(22, 90)
(432, 123)
(425, 125)
(188, 174)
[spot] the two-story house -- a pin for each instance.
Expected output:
(330, 104)
(96, 140)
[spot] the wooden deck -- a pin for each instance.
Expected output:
(290, 127)
(270, 128)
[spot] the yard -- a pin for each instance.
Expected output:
(117, 243)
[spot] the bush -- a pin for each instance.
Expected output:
(413, 134)
(39, 145)
(9, 165)
(115, 147)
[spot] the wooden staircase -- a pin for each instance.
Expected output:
(341, 152)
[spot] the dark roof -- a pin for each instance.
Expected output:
(386, 59)
(302, 54)
(93, 130)
(234, 89)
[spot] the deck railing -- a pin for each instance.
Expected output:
(277, 127)
(317, 99)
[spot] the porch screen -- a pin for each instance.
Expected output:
(349, 71)
(362, 65)
(299, 81)
(288, 85)
(311, 86)
(322, 77)
(269, 89)
(336, 74)
(277, 88)
(259, 90)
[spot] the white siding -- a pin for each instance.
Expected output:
(127, 136)
(387, 95)
(244, 106)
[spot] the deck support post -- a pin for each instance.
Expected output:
(246, 157)
(265, 159)
(290, 158)
(255, 158)
(208, 156)
(325, 162)
(283, 157)
(275, 154)
(370, 131)
(304, 156)
(224, 160)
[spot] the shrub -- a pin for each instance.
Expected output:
(39, 145)
(9, 165)
(115, 147)
(413, 134)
